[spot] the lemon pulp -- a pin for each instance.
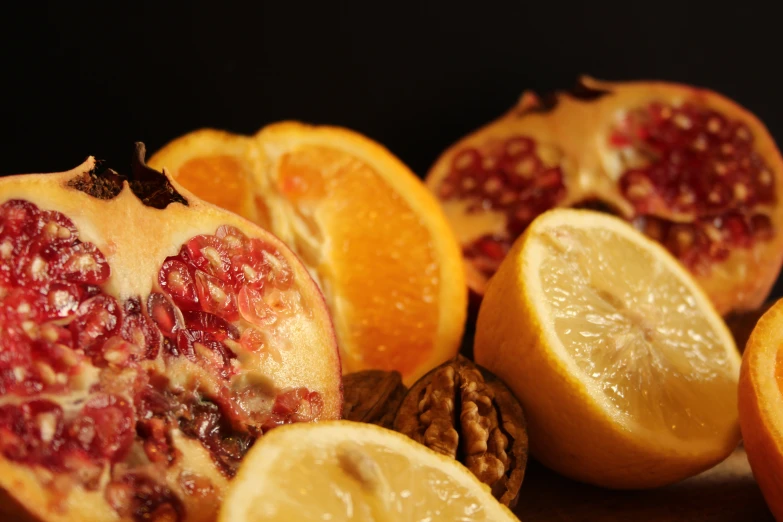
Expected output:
(362, 481)
(636, 332)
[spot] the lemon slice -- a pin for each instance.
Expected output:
(342, 470)
(625, 369)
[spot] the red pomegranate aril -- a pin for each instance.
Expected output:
(140, 331)
(467, 161)
(491, 248)
(177, 280)
(83, 263)
(219, 328)
(62, 301)
(15, 215)
(112, 422)
(216, 296)
(96, 320)
(32, 432)
(274, 268)
(737, 229)
(761, 227)
(519, 146)
(253, 308)
(208, 254)
(164, 314)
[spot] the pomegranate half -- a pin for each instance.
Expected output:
(146, 340)
(689, 167)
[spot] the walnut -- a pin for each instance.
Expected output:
(372, 396)
(463, 411)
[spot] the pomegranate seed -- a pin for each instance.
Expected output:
(62, 301)
(491, 249)
(467, 160)
(208, 254)
(737, 229)
(761, 227)
(107, 428)
(176, 279)
(206, 322)
(216, 296)
(163, 313)
(519, 146)
(83, 263)
(141, 332)
(97, 319)
(253, 309)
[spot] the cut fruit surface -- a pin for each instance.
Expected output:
(368, 230)
(761, 405)
(625, 370)
(342, 470)
(690, 168)
(134, 371)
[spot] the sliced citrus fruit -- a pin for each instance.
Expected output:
(367, 228)
(761, 405)
(343, 470)
(627, 373)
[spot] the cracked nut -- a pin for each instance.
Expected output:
(463, 411)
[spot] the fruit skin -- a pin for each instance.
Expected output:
(232, 509)
(259, 156)
(579, 125)
(761, 406)
(135, 240)
(568, 431)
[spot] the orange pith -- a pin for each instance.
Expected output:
(217, 179)
(399, 333)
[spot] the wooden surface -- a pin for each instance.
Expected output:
(722, 494)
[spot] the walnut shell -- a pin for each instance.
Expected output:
(463, 411)
(373, 396)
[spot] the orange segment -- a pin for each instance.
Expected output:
(369, 231)
(761, 405)
(381, 259)
(220, 179)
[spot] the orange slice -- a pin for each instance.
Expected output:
(761, 405)
(367, 228)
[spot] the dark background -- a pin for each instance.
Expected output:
(90, 78)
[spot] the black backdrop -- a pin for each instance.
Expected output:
(90, 78)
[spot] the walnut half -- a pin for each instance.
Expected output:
(463, 411)
(372, 396)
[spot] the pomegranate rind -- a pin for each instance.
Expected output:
(135, 240)
(580, 130)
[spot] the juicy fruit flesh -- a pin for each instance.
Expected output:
(637, 333)
(86, 380)
(693, 177)
(363, 481)
(695, 181)
(217, 179)
(779, 370)
(512, 178)
(388, 308)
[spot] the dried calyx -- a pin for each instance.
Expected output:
(150, 186)
(459, 410)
